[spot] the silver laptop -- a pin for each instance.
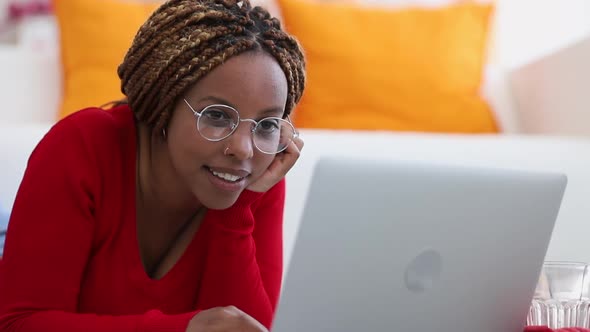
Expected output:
(388, 246)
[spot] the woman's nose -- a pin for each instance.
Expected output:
(240, 142)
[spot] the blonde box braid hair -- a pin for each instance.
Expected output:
(183, 40)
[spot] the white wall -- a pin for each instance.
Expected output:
(528, 29)
(30, 81)
(3, 11)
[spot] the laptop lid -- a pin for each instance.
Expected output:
(392, 246)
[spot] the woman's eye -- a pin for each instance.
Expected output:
(269, 125)
(216, 115)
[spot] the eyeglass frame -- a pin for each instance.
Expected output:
(240, 120)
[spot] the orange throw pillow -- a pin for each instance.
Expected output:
(95, 35)
(411, 69)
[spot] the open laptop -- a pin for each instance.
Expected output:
(392, 246)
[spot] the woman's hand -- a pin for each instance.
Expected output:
(279, 167)
(224, 319)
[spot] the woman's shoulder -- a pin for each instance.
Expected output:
(94, 119)
(92, 134)
(97, 127)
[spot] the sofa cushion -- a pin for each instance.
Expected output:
(417, 69)
(94, 36)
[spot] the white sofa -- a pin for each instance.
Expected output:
(569, 155)
(29, 90)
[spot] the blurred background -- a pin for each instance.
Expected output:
(534, 63)
(479, 82)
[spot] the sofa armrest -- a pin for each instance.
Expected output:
(552, 92)
(16, 144)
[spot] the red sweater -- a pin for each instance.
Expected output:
(71, 260)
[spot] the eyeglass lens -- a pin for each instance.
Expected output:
(270, 135)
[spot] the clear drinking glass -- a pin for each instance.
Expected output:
(562, 297)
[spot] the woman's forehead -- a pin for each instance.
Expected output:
(251, 80)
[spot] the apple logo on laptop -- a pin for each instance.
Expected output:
(423, 271)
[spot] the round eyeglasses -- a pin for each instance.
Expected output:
(217, 122)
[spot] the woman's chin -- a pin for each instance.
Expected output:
(220, 203)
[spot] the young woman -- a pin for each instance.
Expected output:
(164, 213)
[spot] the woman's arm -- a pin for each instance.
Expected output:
(49, 242)
(244, 263)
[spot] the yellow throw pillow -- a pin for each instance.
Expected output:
(95, 35)
(411, 69)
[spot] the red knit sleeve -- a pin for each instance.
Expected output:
(49, 242)
(244, 262)
(268, 237)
